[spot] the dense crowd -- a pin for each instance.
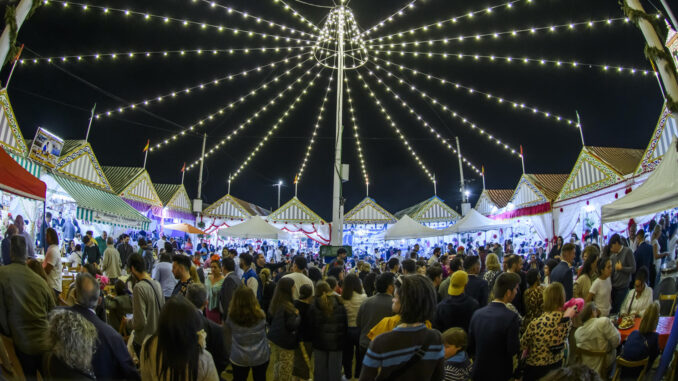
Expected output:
(160, 310)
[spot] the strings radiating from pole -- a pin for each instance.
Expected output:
(356, 133)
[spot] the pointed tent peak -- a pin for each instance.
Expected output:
(230, 207)
(369, 212)
(664, 132)
(71, 145)
(408, 228)
(166, 191)
(433, 209)
(473, 221)
(79, 162)
(120, 177)
(549, 184)
(295, 211)
(500, 197)
(10, 134)
(624, 161)
(255, 227)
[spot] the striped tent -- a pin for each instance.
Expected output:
(134, 185)
(78, 162)
(295, 212)
(428, 211)
(96, 205)
(599, 167)
(175, 200)
(232, 208)
(34, 168)
(492, 200)
(10, 134)
(666, 130)
(369, 212)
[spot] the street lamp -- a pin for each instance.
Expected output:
(279, 184)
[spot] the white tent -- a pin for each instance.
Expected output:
(255, 227)
(407, 228)
(658, 193)
(474, 222)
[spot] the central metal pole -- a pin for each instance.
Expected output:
(337, 217)
(461, 174)
(202, 164)
(279, 185)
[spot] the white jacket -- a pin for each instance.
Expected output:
(599, 335)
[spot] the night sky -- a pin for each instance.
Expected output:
(618, 110)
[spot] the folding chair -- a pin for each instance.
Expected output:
(603, 355)
(667, 304)
(621, 363)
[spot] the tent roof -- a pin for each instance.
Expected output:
(664, 132)
(255, 227)
(133, 183)
(500, 197)
(78, 161)
(658, 193)
(174, 196)
(15, 179)
(166, 191)
(10, 134)
(369, 212)
(295, 211)
(71, 145)
(548, 184)
(624, 161)
(432, 210)
(230, 207)
(407, 228)
(474, 222)
(120, 177)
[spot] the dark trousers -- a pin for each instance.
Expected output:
(618, 295)
(534, 373)
(351, 350)
(240, 373)
(31, 364)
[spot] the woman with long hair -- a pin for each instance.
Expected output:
(493, 270)
(268, 288)
(329, 321)
(72, 339)
(284, 324)
(556, 249)
(545, 337)
(533, 297)
(589, 273)
(245, 329)
(176, 352)
(370, 283)
(353, 296)
(643, 342)
(213, 285)
(52, 262)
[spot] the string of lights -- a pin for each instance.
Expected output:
(471, 91)
(513, 32)
(525, 60)
(397, 130)
(201, 86)
(382, 23)
(423, 123)
(315, 131)
(184, 22)
(99, 57)
(266, 106)
(356, 133)
(448, 111)
(231, 106)
(298, 15)
(275, 126)
(454, 19)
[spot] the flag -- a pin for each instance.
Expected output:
(148, 144)
(21, 49)
(521, 150)
(482, 169)
(296, 178)
(183, 169)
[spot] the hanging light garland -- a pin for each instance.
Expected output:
(201, 86)
(389, 19)
(275, 126)
(185, 22)
(421, 120)
(100, 57)
(454, 114)
(315, 131)
(397, 130)
(512, 59)
(356, 133)
(472, 91)
(231, 106)
(296, 14)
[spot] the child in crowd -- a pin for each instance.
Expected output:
(457, 364)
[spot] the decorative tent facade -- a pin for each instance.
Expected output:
(366, 223)
(407, 228)
(297, 218)
(433, 213)
(175, 201)
(11, 138)
(664, 132)
(229, 211)
(134, 185)
(493, 200)
(78, 162)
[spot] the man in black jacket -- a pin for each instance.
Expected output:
(375, 308)
(457, 309)
(260, 263)
(477, 287)
(231, 283)
(563, 272)
(214, 343)
(125, 249)
(111, 360)
(90, 253)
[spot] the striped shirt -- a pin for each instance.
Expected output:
(390, 351)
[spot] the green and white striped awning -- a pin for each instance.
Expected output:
(96, 205)
(34, 168)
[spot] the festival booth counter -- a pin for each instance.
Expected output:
(308, 229)
(366, 223)
(493, 200)
(529, 209)
(176, 206)
(134, 185)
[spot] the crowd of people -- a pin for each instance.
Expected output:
(159, 313)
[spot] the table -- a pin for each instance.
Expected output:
(663, 329)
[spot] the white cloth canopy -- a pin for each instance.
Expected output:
(658, 193)
(407, 228)
(475, 222)
(255, 227)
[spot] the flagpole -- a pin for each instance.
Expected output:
(183, 172)
(367, 192)
(435, 186)
(522, 158)
(145, 157)
(483, 176)
(148, 143)
(581, 132)
(91, 119)
(229, 184)
(16, 59)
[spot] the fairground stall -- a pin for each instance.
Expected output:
(226, 212)
(365, 225)
(475, 225)
(134, 185)
(492, 201)
(407, 232)
(308, 229)
(432, 213)
(176, 207)
(529, 210)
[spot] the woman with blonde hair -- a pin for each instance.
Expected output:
(597, 334)
(493, 270)
(589, 273)
(545, 337)
(643, 342)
